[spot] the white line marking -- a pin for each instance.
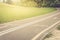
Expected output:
(22, 26)
(34, 38)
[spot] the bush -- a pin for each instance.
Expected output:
(48, 36)
(58, 27)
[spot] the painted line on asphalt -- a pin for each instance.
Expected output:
(40, 33)
(27, 24)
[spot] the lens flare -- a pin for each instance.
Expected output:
(15, 1)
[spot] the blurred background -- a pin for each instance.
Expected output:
(33, 3)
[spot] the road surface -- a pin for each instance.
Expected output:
(55, 34)
(27, 29)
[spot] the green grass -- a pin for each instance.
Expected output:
(10, 13)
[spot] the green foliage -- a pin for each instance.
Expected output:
(35, 3)
(58, 27)
(47, 3)
(29, 3)
(48, 36)
(9, 1)
(3, 1)
(11, 13)
(41, 3)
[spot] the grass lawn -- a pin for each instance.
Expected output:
(10, 13)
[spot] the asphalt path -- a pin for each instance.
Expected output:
(28, 28)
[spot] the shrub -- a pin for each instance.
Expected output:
(48, 36)
(58, 27)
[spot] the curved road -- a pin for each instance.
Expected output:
(27, 29)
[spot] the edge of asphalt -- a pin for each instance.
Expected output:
(44, 31)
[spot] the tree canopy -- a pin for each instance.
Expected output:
(35, 3)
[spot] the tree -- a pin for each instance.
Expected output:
(47, 3)
(29, 3)
(3, 1)
(9, 1)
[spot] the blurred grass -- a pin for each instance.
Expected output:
(10, 13)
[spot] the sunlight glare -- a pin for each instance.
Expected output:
(15, 1)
